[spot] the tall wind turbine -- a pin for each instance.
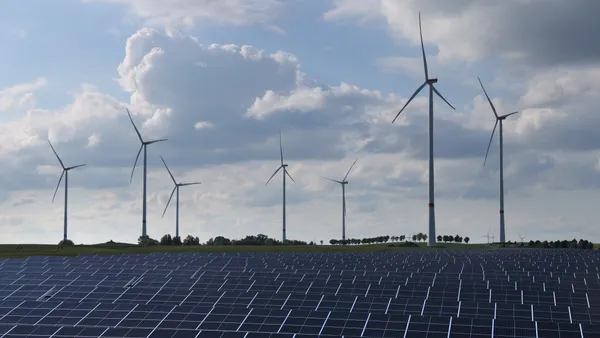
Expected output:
(430, 82)
(343, 182)
(65, 172)
(285, 172)
(143, 146)
(176, 188)
(499, 119)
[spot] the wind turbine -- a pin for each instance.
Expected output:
(65, 172)
(499, 119)
(285, 172)
(176, 188)
(145, 147)
(343, 182)
(521, 237)
(487, 236)
(430, 82)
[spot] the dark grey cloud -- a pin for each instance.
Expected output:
(540, 33)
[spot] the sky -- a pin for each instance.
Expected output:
(220, 79)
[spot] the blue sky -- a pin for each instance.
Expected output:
(222, 107)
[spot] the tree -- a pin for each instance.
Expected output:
(424, 236)
(66, 242)
(220, 240)
(147, 240)
(415, 237)
(166, 240)
(190, 240)
(440, 238)
(321, 242)
(467, 239)
(176, 240)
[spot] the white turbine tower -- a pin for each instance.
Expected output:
(343, 182)
(143, 146)
(430, 82)
(176, 188)
(285, 172)
(499, 119)
(65, 172)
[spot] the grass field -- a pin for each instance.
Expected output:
(25, 250)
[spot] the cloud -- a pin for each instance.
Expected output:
(186, 13)
(20, 96)
(536, 32)
(222, 106)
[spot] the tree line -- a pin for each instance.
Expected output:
(259, 239)
(564, 244)
(262, 239)
(403, 238)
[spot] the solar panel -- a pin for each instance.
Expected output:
(496, 293)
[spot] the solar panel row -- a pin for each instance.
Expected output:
(502, 293)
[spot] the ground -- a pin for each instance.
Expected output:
(25, 250)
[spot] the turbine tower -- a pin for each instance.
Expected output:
(285, 172)
(176, 188)
(499, 119)
(430, 82)
(145, 147)
(65, 172)
(343, 182)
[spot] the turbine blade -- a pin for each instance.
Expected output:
(490, 143)
(276, 171)
(281, 147)
(288, 174)
(161, 140)
(75, 166)
(441, 97)
(135, 163)
(54, 151)
(169, 171)
(186, 184)
(409, 100)
(134, 127)
(57, 185)
(488, 98)
(423, 49)
(169, 201)
(345, 177)
(507, 115)
(331, 179)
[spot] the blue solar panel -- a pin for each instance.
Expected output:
(499, 293)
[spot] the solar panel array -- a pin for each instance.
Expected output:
(496, 293)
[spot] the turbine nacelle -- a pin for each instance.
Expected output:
(143, 144)
(153, 141)
(343, 181)
(177, 185)
(428, 81)
(283, 165)
(503, 117)
(64, 169)
(499, 118)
